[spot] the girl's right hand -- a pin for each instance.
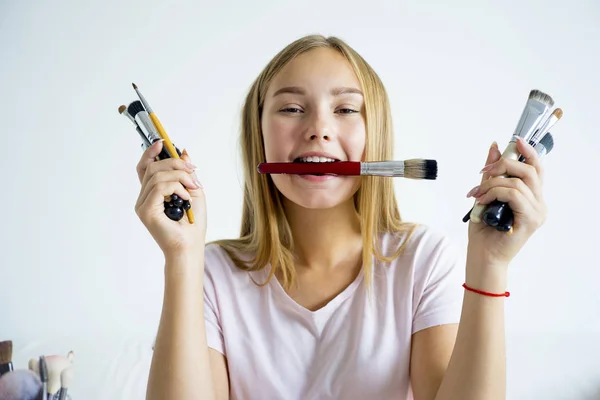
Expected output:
(160, 179)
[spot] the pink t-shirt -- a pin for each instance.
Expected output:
(355, 347)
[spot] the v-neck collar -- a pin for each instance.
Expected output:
(323, 312)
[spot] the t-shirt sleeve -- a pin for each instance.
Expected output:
(214, 332)
(438, 291)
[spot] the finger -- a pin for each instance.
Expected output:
(531, 156)
(511, 183)
(517, 201)
(168, 164)
(153, 203)
(493, 156)
(184, 178)
(148, 157)
(516, 169)
(186, 157)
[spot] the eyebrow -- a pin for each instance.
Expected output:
(334, 92)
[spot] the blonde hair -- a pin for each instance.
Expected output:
(265, 233)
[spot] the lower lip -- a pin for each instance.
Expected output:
(317, 178)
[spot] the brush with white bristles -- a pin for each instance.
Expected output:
(533, 116)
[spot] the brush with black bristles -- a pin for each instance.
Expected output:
(498, 214)
(6, 350)
(145, 141)
(411, 169)
(140, 115)
(175, 207)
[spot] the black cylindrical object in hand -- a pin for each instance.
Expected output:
(176, 207)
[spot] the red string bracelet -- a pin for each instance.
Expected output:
(505, 294)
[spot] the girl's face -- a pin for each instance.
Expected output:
(314, 108)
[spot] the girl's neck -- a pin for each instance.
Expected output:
(324, 238)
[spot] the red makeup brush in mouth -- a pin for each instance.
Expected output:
(411, 169)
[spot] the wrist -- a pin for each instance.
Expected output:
(184, 263)
(489, 278)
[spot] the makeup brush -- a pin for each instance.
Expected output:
(6, 350)
(66, 377)
(44, 377)
(547, 125)
(141, 117)
(543, 147)
(412, 169)
(123, 111)
(172, 151)
(160, 130)
(534, 113)
(498, 214)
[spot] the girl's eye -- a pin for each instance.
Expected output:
(293, 110)
(347, 111)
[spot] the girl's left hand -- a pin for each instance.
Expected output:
(522, 192)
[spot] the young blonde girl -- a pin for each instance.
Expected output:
(328, 293)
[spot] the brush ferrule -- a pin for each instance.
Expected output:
(6, 367)
(532, 114)
(539, 134)
(147, 126)
(382, 168)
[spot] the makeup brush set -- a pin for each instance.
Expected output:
(47, 378)
(151, 130)
(537, 118)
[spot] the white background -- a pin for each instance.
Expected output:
(79, 271)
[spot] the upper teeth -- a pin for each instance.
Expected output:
(316, 159)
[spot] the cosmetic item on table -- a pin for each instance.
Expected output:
(20, 384)
(44, 377)
(151, 130)
(66, 377)
(6, 350)
(536, 119)
(412, 169)
(50, 370)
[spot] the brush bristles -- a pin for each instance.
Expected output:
(135, 107)
(548, 142)
(122, 108)
(558, 113)
(542, 97)
(420, 169)
(6, 349)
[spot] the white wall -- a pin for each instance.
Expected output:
(79, 271)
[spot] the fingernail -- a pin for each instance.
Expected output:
(190, 165)
(494, 145)
(197, 182)
(473, 192)
(487, 168)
